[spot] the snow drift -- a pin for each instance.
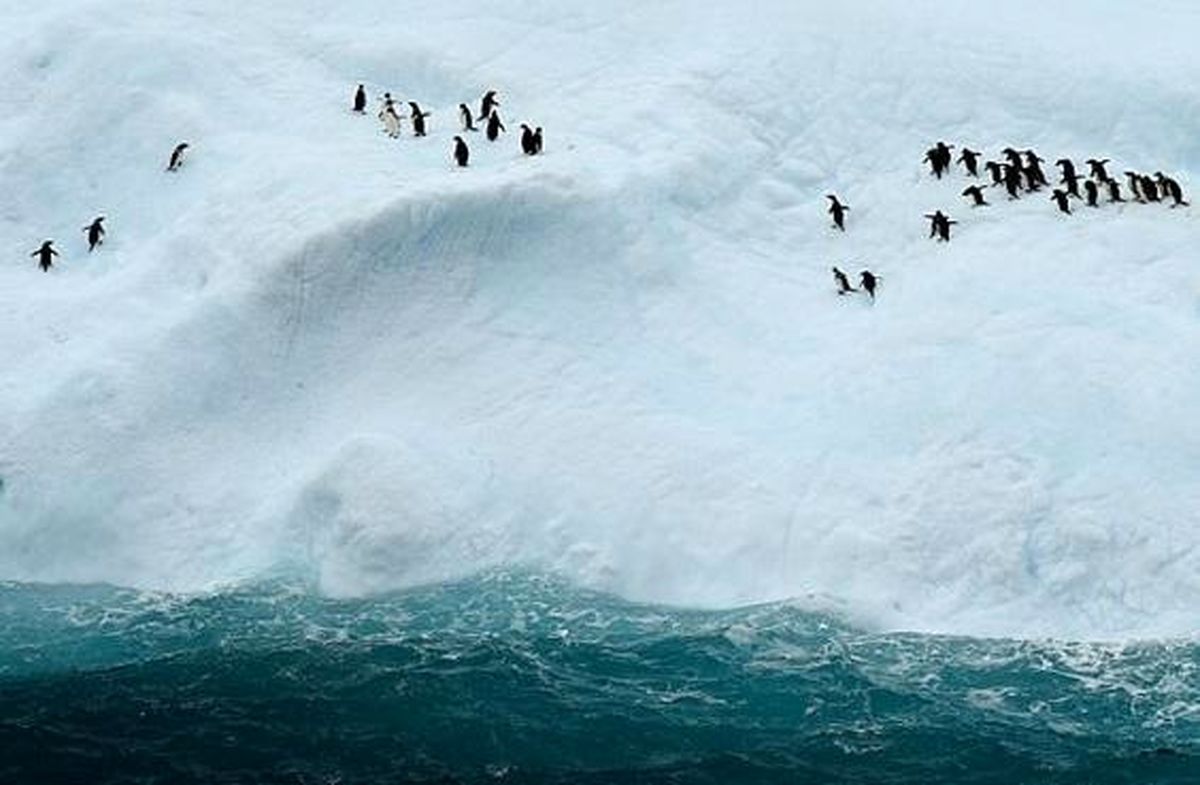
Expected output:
(318, 349)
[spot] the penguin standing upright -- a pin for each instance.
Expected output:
(1072, 183)
(970, 161)
(468, 120)
(494, 126)
(976, 193)
(1135, 186)
(996, 170)
(843, 283)
(1060, 198)
(869, 281)
(95, 233)
(539, 141)
(418, 118)
(1097, 170)
(462, 154)
(527, 144)
(939, 226)
(1170, 187)
(1012, 181)
(390, 117)
(939, 158)
(1114, 191)
(46, 255)
(838, 211)
(176, 160)
(1150, 189)
(1033, 171)
(1092, 193)
(487, 104)
(360, 100)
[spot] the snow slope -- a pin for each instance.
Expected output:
(319, 350)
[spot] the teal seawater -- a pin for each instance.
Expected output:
(521, 678)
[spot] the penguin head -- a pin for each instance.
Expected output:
(525, 127)
(458, 139)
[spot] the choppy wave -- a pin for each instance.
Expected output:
(522, 678)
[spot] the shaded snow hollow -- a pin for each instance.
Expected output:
(318, 349)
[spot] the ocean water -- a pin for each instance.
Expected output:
(523, 678)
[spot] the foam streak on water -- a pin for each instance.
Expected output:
(520, 678)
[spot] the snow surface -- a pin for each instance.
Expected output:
(318, 349)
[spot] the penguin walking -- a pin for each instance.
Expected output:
(1092, 193)
(462, 154)
(843, 283)
(176, 159)
(1170, 187)
(390, 117)
(996, 170)
(468, 120)
(539, 141)
(360, 100)
(46, 255)
(1067, 166)
(1135, 186)
(1060, 198)
(1096, 169)
(970, 161)
(95, 233)
(1033, 171)
(869, 281)
(418, 118)
(1114, 191)
(487, 105)
(976, 193)
(939, 226)
(527, 144)
(494, 126)
(1012, 181)
(1072, 183)
(838, 211)
(1150, 189)
(939, 158)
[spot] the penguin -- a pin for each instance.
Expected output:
(1068, 168)
(462, 154)
(418, 119)
(494, 126)
(1170, 187)
(45, 255)
(939, 158)
(1012, 181)
(95, 233)
(1135, 186)
(944, 229)
(487, 104)
(838, 211)
(390, 117)
(1150, 190)
(940, 226)
(843, 283)
(527, 143)
(1060, 197)
(1072, 183)
(976, 193)
(468, 120)
(1097, 170)
(177, 157)
(360, 100)
(868, 280)
(1114, 191)
(996, 170)
(1092, 192)
(1033, 171)
(970, 161)
(539, 141)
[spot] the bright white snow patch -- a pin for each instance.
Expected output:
(319, 349)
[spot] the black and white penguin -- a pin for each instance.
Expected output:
(1060, 198)
(418, 118)
(1114, 191)
(95, 233)
(1171, 188)
(527, 144)
(996, 170)
(494, 126)
(1135, 185)
(869, 281)
(1096, 169)
(843, 283)
(1150, 189)
(46, 255)
(939, 226)
(1013, 180)
(360, 99)
(976, 193)
(1033, 171)
(1091, 192)
(838, 211)
(177, 157)
(487, 104)
(390, 117)
(970, 161)
(1072, 183)
(539, 141)
(462, 154)
(468, 120)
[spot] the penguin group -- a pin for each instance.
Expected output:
(486, 119)
(867, 280)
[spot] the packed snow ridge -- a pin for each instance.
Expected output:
(317, 349)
